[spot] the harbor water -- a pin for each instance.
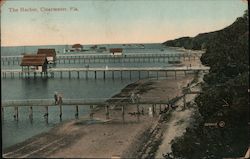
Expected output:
(14, 132)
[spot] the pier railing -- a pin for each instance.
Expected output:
(51, 72)
(97, 58)
(86, 101)
(107, 103)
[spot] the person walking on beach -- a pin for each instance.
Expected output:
(56, 98)
(132, 97)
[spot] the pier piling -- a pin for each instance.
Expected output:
(69, 74)
(16, 113)
(91, 114)
(77, 112)
(46, 115)
(107, 112)
(31, 113)
(2, 113)
(123, 113)
(60, 109)
(113, 75)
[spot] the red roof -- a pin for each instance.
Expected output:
(115, 50)
(77, 46)
(47, 52)
(34, 60)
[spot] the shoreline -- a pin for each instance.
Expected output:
(58, 130)
(66, 138)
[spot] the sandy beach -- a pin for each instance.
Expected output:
(102, 137)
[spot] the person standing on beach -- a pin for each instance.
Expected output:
(138, 98)
(56, 98)
(60, 99)
(132, 97)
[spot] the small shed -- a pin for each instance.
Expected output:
(50, 54)
(77, 47)
(36, 63)
(116, 51)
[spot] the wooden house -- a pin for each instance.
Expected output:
(116, 51)
(34, 63)
(77, 47)
(50, 54)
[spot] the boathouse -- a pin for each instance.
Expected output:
(116, 51)
(34, 63)
(50, 54)
(77, 47)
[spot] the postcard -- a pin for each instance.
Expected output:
(125, 79)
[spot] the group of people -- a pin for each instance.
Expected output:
(58, 98)
(166, 108)
(137, 113)
(134, 98)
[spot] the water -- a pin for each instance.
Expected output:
(14, 132)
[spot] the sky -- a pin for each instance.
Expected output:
(112, 21)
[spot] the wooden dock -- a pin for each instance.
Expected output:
(103, 58)
(58, 72)
(90, 102)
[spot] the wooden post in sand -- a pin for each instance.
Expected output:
(184, 101)
(107, 112)
(123, 112)
(153, 109)
(160, 107)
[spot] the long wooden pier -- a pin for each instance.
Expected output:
(52, 72)
(102, 58)
(91, 102)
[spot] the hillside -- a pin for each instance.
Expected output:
(202, 40)
(225, 97)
